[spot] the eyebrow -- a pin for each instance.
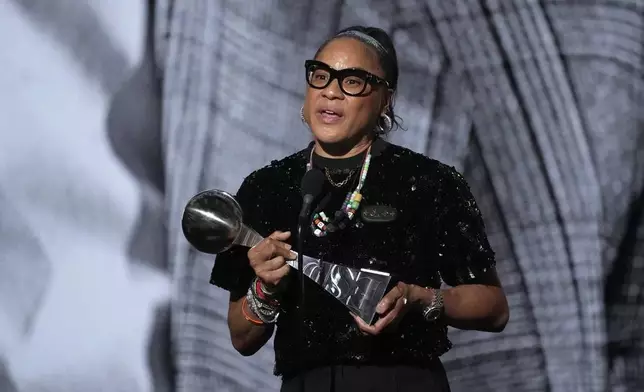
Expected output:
(348, 68)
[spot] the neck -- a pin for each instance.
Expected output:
(340, 150)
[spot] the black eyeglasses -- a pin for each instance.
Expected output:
(352, 81)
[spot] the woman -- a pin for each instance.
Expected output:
(434, 231)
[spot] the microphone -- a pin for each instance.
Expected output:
(311, 187)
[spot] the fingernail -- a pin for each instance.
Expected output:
(293, 255)
(288, 246)
(381, 307)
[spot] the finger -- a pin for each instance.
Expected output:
(283, 245)
(282, 249)
(274, 248)
(274, 276)
(403, 288)
(364, 327)
(391, 298)
(388, 301)
(268, 250)
(280, 235)
(258, 250)
(273, 264)
(384, 323)
(275, 239)
(390, 318)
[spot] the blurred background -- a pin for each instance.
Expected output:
(114, 113)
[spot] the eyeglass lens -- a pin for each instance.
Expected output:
(351, 84)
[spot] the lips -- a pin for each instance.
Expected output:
(331, 112)
(330, 116)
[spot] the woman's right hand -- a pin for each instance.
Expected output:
(268, 258)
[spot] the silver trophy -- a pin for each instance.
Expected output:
(213, 222)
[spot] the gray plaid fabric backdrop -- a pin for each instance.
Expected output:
(538, 102)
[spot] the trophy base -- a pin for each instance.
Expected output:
(360, 290)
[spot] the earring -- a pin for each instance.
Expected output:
(386, 125)
(302, 115)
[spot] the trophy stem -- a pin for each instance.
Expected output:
(247, 237)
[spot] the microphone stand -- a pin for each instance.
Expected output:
(301, 224)
(300, 316)
(312, 183)
(303, 221)
(300, 259)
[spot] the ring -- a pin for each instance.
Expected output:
(404, 300)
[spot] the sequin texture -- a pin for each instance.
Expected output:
(438, 233)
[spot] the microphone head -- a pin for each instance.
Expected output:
(312, 183)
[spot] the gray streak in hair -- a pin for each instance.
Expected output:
(367, 39)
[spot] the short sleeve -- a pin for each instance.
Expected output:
(232, 271)
(463, 248)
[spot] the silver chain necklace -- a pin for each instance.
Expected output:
(341, 183)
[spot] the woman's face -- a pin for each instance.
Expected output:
(338, 118)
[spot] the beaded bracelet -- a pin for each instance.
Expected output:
(247, 315)
(265, 312)
(262, 295)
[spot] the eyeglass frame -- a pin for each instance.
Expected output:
(341, 74)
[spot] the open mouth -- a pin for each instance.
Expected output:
(329, 116)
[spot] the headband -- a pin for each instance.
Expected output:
(366, 39)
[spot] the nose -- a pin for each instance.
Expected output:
(333, 90)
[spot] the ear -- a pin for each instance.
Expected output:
(304, 110)
(387, 102)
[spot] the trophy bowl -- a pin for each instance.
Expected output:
(212, 221)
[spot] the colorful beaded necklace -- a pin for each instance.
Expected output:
(321, 222)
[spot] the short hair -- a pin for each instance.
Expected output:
(382, 43)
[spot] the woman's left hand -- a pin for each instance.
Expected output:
(392, 307)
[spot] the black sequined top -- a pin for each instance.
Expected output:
(438, 233)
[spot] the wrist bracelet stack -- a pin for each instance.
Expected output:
(262, 303)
